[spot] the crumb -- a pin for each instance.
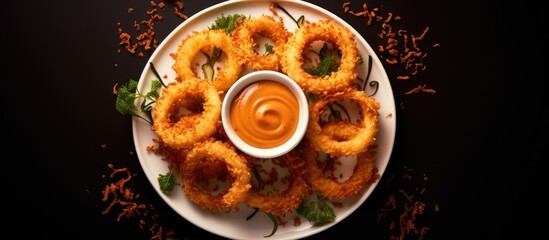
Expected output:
(123, 200)
(399, 47)
(421, 88)
(145, 38)
(297, 221)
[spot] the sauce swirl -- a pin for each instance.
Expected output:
(265, 114)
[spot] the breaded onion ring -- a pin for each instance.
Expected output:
(358, 143)
(364, 173)
(186, 130)
(192, 44)
(237, 166)
(329, 31)
(266, 26)
(285, 201)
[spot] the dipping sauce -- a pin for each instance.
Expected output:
(265, 114)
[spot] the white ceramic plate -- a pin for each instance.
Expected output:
(234, 225)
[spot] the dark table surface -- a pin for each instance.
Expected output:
(475, 147)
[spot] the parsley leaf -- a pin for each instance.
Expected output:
(127, 95)
(167, 182)
(317, 212)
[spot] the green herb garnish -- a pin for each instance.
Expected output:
(329, 62)
(367, 82)
(229, 23)
(275, 224)
(208, 67)
(128, 94)
(299, 21)
(167, 182)
(269, 49)
(318, 212)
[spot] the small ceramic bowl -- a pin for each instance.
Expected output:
(303, 113)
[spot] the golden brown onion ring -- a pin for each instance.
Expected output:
(192, 44)
(328, 31)
(267, 26)
(285, 201)
(364, 173)
(186, 130)
(366, 132)
(237, 167)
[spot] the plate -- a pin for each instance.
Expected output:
(234, 225)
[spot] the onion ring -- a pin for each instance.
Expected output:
(285, 201)
(192, 44)
(365, 135)
(236, 165)
(325, 30)
(364, 173)
(186, 130)
(243, 37)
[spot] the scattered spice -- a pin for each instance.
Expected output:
(421, 88)
(399, 47)
(404, 207)
(145, 40)
(177, 9)
(124, 201)
(115, 89)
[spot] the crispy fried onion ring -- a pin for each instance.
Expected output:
(263, 26)
(328, 31)
(183, 131)
(364, 172)
(365, 134)
(192, 44)
(206, 154)
(282, 202)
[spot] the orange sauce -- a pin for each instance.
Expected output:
(265, 114)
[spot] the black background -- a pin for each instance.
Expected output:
(478, 140)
